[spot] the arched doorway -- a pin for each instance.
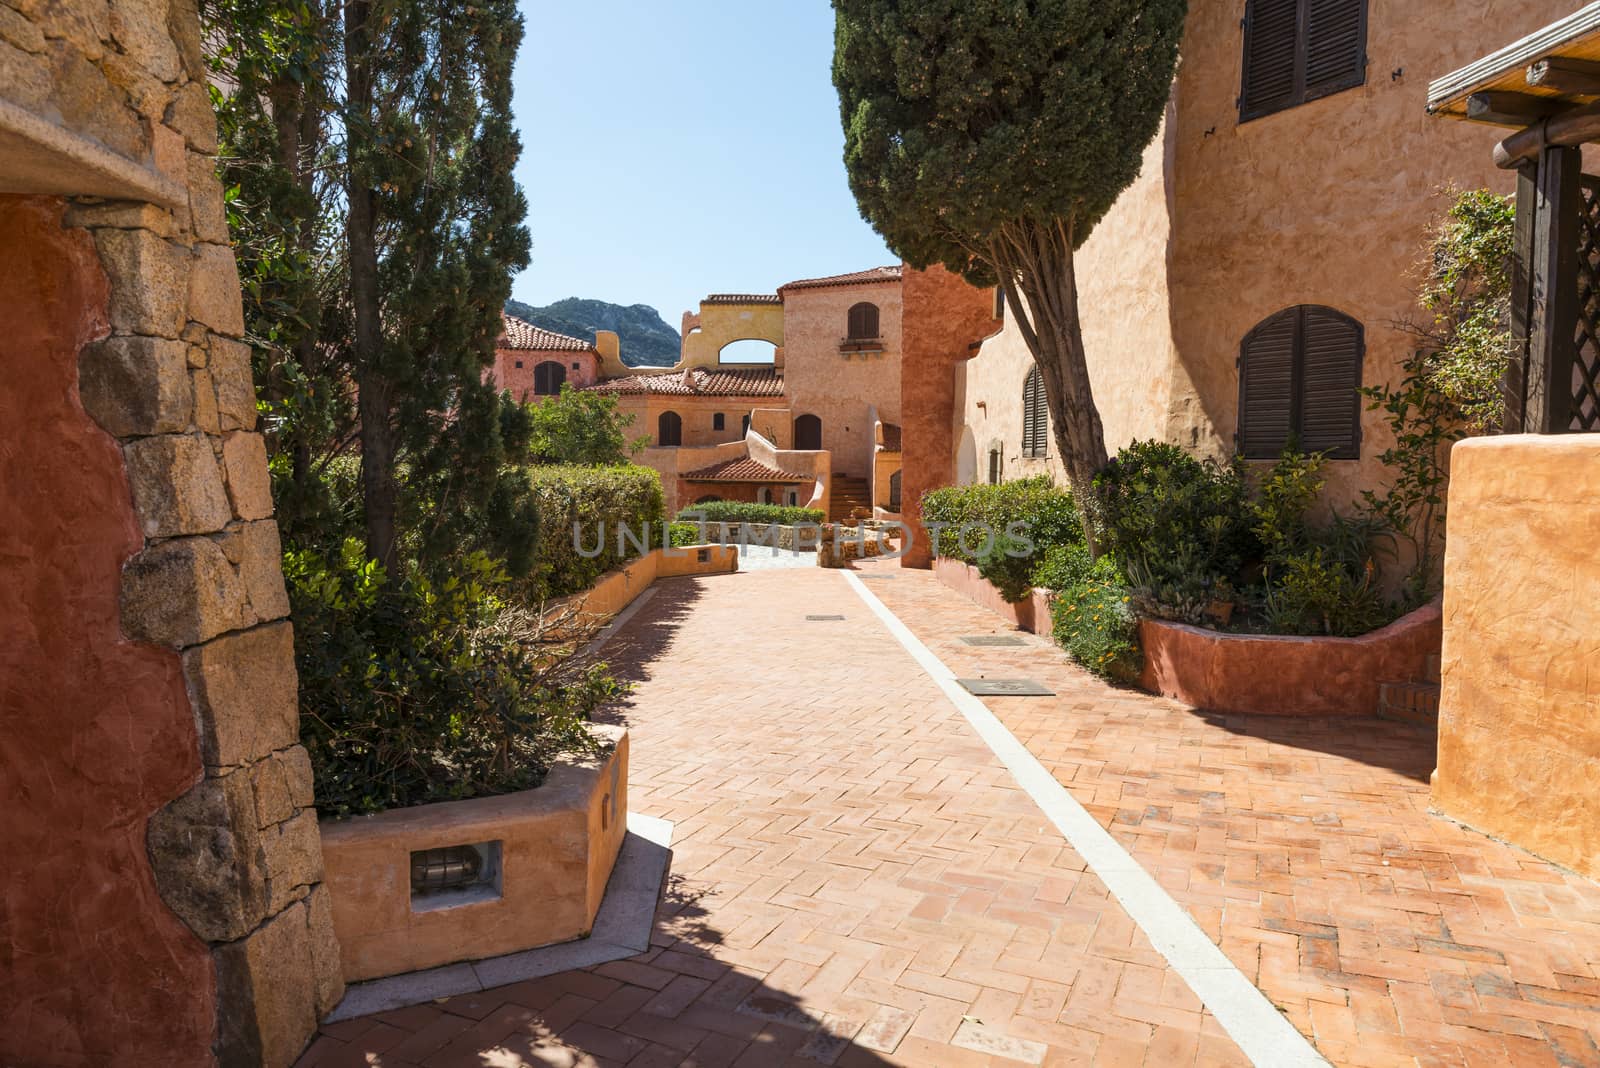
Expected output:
(669, 429)
(966, 459)
(548, 378)
(808, 432)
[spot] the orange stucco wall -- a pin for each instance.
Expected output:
(842, 389)
(1230, 222)
(579, 366)
(1519, 711)
(96, 732)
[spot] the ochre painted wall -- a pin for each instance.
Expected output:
(1324, 203)
(97, 731)
(1519, 711)
(842, 389)
(721, 324)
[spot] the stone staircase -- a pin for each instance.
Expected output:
(1416, 703)
(847, 495)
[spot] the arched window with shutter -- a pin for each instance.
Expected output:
(1035, 417)
(669, 429)
(863, 322)
(1299, 50)
(548, 378)
(1299, 376)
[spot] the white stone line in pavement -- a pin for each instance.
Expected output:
(1250, 1019)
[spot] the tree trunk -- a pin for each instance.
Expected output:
(375, 400)
(1037, 260)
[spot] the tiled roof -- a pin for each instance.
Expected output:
(521, 334)
(891, 437)
(755, 382)
(854, 278)
(743, 298)
(743, 469)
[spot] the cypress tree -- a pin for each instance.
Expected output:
(991, 136)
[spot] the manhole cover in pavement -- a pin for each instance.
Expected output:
(992, 639)
(869, 576)
(1006, 688)
(822, 619)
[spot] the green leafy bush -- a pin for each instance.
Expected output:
(413, 692)
(1034, 509)
(682, 535)
(1180, 527)
(1095, 623)
(745, 512)
(1316, 593)
(613, 513)
(579, 427)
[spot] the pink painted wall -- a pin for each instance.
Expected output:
(580, 368)
(96, 732)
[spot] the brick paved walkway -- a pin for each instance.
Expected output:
(857, 881)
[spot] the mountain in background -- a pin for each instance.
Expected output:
(647, 341)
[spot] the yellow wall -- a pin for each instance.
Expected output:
(1519, 712)
(721, 324)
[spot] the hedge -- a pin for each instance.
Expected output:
(743, 512)
(1044, 512)
(614, 509)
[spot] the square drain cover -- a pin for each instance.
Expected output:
(992, 639)
(871, 577)
(822, 619)
(1006, 688)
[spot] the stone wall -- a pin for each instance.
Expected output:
(1519, 737)
(197, 697)
(580, 368)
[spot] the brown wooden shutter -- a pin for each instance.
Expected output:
(1035, 417)
(863, 321)
(1330, 408)
(1266, 386)
(1271, 44)
(1336, 46)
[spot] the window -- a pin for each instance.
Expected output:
(744, 427)
(1298, 375)
(1035, 417)
(669, 429)
(718, 422)
(894, 492)
(548, 378)
(794, 498)
(996, 465)
(763, 495)
(863, 322)
(1300, 50)
(808, 433)
(576, 366)
(999, 303)
(519, 365)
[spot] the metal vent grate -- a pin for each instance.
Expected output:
(1006, 688)
(992, 640)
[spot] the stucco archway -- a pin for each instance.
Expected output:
(966, 458)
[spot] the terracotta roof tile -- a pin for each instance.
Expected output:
(723, 382)
(743, 469)
(854, 278)
(521, 334)
(743, 298)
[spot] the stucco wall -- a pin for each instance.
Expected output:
(1325, 203)
(697, 412)
(579, 366)
(840, 388)
(721, 324)
(1519, 708)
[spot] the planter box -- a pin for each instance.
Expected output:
(618, 588)
(545, 856)
(1032, 615)
(1276, 675)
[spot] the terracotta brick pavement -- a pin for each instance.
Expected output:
(856, 879)
(1306, 850)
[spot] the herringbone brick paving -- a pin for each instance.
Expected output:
(1305, 848)
(856, 880)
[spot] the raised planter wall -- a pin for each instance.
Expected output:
(1032, 615)
(1277, 675)
(556, 847)
(617, 588)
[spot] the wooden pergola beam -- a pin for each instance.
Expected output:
(1573, 127)
(1574, 77)
(1511, 109)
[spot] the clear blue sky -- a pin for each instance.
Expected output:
(672, 150)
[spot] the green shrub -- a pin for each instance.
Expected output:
(414, 691)
(745, 512)
(682, 535)
(1180, 527)
(1009, 567)
(1030, 509)
(615, 510)
(1094, 621)
(1065, 566)
(1315, 593)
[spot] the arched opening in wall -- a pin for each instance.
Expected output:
(894, 492)
(763, 495)
(548, 378)
(669, 429)
(997, 463)
(808, 433)
(966, 458)
(794, 498)
(749, 351)
(744, 426)
(862, 322)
